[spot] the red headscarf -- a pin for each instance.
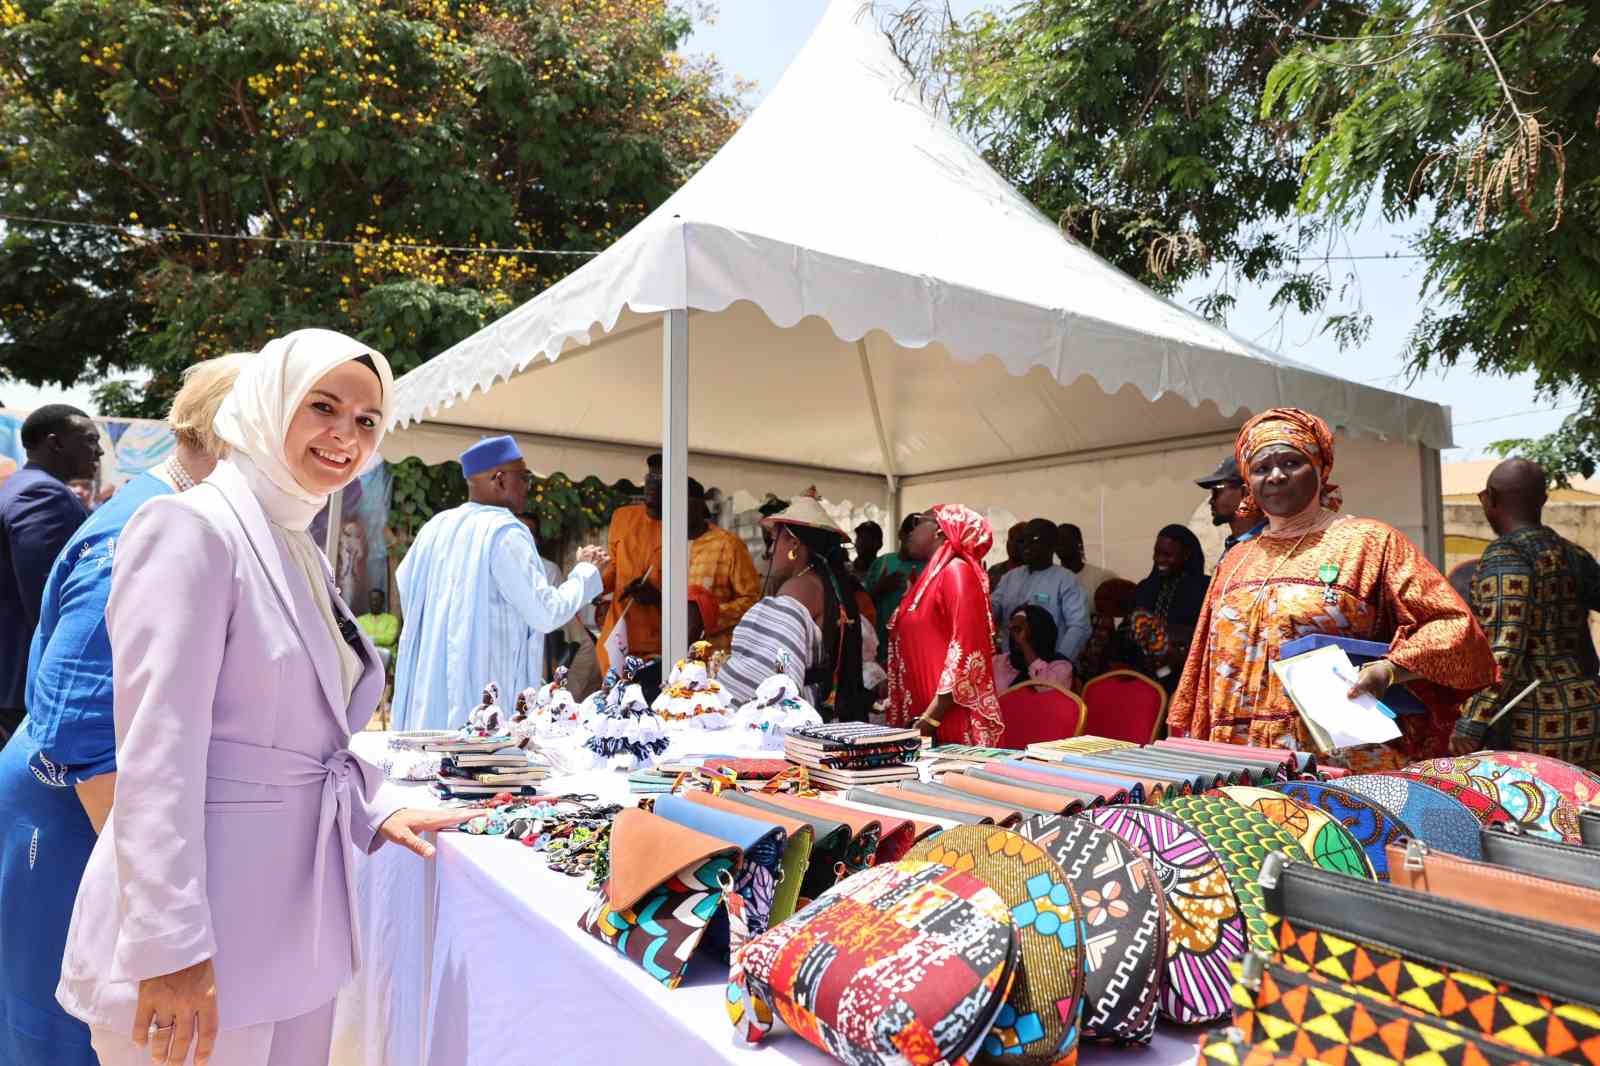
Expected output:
(967, 535)
(1300, 430)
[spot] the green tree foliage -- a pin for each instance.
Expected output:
(1178, 136)
(373, 127)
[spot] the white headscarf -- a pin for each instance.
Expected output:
(256, 415)
(255, 420)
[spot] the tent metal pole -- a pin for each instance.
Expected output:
(674, 486)
(889, 472)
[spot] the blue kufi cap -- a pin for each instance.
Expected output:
(488, 454)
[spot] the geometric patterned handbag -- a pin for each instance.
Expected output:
(667, 883)
(1312, 1017)
(1329, 844)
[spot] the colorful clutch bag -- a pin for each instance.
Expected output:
(1538, 807)
(1328, 843)
(761, 846)
(1205, 930)
(667, 883)
(1580, 786)
(1438, 820)
(1242, 839)
(796, 850)
(866, 830)
(1373, 825)
(1012, 790)
(1514, 892)
(1125, 924)
(1524, 983)
(1484, 809)
(905, 963)
(1025, 802)
(1042, 1017)
(830, 839)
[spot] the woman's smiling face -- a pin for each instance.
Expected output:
(336, 428)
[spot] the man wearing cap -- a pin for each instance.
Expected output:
(721, 573)
(1227, 493)
(476, 599)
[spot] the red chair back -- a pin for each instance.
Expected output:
(1035, 711)
(1125, 705)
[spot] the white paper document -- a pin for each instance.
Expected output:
(1319, 684)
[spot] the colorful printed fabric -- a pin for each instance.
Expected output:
(1531, 1023)
(1125, 924)
(906, 963)
(1084, 745)
(1579, 785)
(1330, 844)
(1243, 839)
(1533, 591)
(1374, 826)
(942, 637)
(1484, 809)
(661, 932)
(1316, 1019)
(1534, 804)
(1205, 931)
(1267, 593)
(1042, 1017)
(1227, 1047)
(1438, 820)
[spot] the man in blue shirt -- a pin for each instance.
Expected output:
(1226, 486)
(1040, 582)
(38, 512)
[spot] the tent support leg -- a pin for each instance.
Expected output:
(674, 487)
(889, 473)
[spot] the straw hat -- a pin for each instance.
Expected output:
(805, 510)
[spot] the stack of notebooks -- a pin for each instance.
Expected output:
(842, 755)
(474, 767)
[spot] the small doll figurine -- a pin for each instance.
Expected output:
(487, 718)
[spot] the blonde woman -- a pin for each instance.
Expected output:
(58, 773)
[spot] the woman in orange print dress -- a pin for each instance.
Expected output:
(1315, 571)
(942, 637)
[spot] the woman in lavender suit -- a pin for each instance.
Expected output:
(215, 917)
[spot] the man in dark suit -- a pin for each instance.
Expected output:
(38, 512)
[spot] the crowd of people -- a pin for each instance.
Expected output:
(180, 675)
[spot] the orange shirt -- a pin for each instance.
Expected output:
(718, 562)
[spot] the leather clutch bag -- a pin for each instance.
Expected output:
(910, 962)
(911, 806)
(1166, 781)
(830, 839)
(761, 846)
(1413, 865)
(1589, 827)
(1125, 924)
(1415, 946)
(1006, 774)
(796, 850)
(1438, 819)
(1373, 825)
(1327, 842)
(1217, 770)
(1108, 790)
(1572, 863)
(1012, 791)
(1042, 1018)
(1242, 839)
(1205, 929)
(938, 806)
(667, 883)
(1035, 803)
(866, 830)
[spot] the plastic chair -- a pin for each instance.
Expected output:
(1035, 711)
(1125, 705)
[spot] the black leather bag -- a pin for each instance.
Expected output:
(1506, 845)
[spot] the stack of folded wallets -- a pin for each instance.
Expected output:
(467, 774)
(843, 754)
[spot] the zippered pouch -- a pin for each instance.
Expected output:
(1589, 828)
(1572, 863)
(1415, 866)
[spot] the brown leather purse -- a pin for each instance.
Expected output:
(1413, 865)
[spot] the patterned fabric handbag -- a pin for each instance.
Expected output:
(1538, 806)
(667, 883)
(761, 846)
(1042, 1017)
(1125, 924)
(906, 963)
(1440, 821)
(1525, 984)
(1373, 825)
(1327, 842)
(1243, 839)
(1205, 930)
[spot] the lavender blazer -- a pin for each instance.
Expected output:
(239, 808)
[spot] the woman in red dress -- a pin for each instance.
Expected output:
(942, 637)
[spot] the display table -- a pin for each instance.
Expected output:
(477, 960)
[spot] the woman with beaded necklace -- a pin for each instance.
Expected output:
(1316, 571)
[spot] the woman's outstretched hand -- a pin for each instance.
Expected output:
(177, 1010)
(403, 825)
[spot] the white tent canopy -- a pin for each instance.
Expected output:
(848, 296)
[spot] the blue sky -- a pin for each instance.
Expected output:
(756, 39)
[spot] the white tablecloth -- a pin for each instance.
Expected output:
(494, 971)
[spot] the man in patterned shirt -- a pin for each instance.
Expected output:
(1533, 592)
